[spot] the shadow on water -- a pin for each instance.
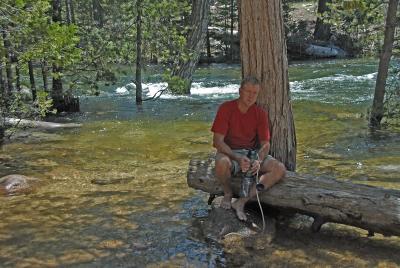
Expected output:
(333, 246)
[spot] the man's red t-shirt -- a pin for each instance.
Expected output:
(241, 130)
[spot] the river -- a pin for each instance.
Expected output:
(143, 213)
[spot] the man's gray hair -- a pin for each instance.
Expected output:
(249, 80)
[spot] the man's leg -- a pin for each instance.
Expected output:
(223, 166)
(238, 205)
(274, 172)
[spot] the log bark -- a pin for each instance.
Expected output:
(326, 200)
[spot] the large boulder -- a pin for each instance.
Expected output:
(15, 183)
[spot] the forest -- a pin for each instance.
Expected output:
(104, 102)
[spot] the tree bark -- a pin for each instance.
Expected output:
(32, 80)
(98, 13)
(226, 39)
(195, 41)
(9, 74)
(2, 81)
(69, 10)
(56, 11)
(327, 200)
(57, 88)
(138, 80)
(231, 35)
(263, 55)
(377, 106)
(17, 77)
(322, 30)
(44, 76)
(208, 44)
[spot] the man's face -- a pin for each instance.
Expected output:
(248, 94)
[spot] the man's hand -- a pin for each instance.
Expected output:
(244, 163)
(255, 166)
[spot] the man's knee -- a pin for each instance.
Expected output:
(279, 169)
(223, 163)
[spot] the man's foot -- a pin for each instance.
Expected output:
(226, 202)
(238, 206)
(260, 187)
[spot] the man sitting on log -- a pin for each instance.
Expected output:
(241, 126)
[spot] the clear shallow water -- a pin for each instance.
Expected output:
(145, 215)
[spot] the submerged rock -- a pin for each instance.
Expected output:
(107, 181)
(15, 183)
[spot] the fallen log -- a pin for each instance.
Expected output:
(38, 124)
(326, 200)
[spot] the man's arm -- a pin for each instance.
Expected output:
(222, 147)
(264, 149)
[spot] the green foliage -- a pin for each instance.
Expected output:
(113, 43)
(44, 104)
(220, 26)
(176, 84)
(165, 31)
(361, 20)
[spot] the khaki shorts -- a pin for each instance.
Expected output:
(235, 169)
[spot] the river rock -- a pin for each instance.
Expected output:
(223, 225)
(15, 183)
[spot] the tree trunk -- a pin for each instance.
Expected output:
(17, 77)
(57, 88)
(377, 106)
(2, 103)
(2, 81)
(322, 30)
(231, 36)
(2, 134)
(226, 41)
(327, 200)
(56, 11)
(98, 13)
(9, 74)
(138, 80)
(208, 44)
(263, 55)
(72, 11)
(44, 76)
(32, 80)
(195, 42)
(69, 10)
